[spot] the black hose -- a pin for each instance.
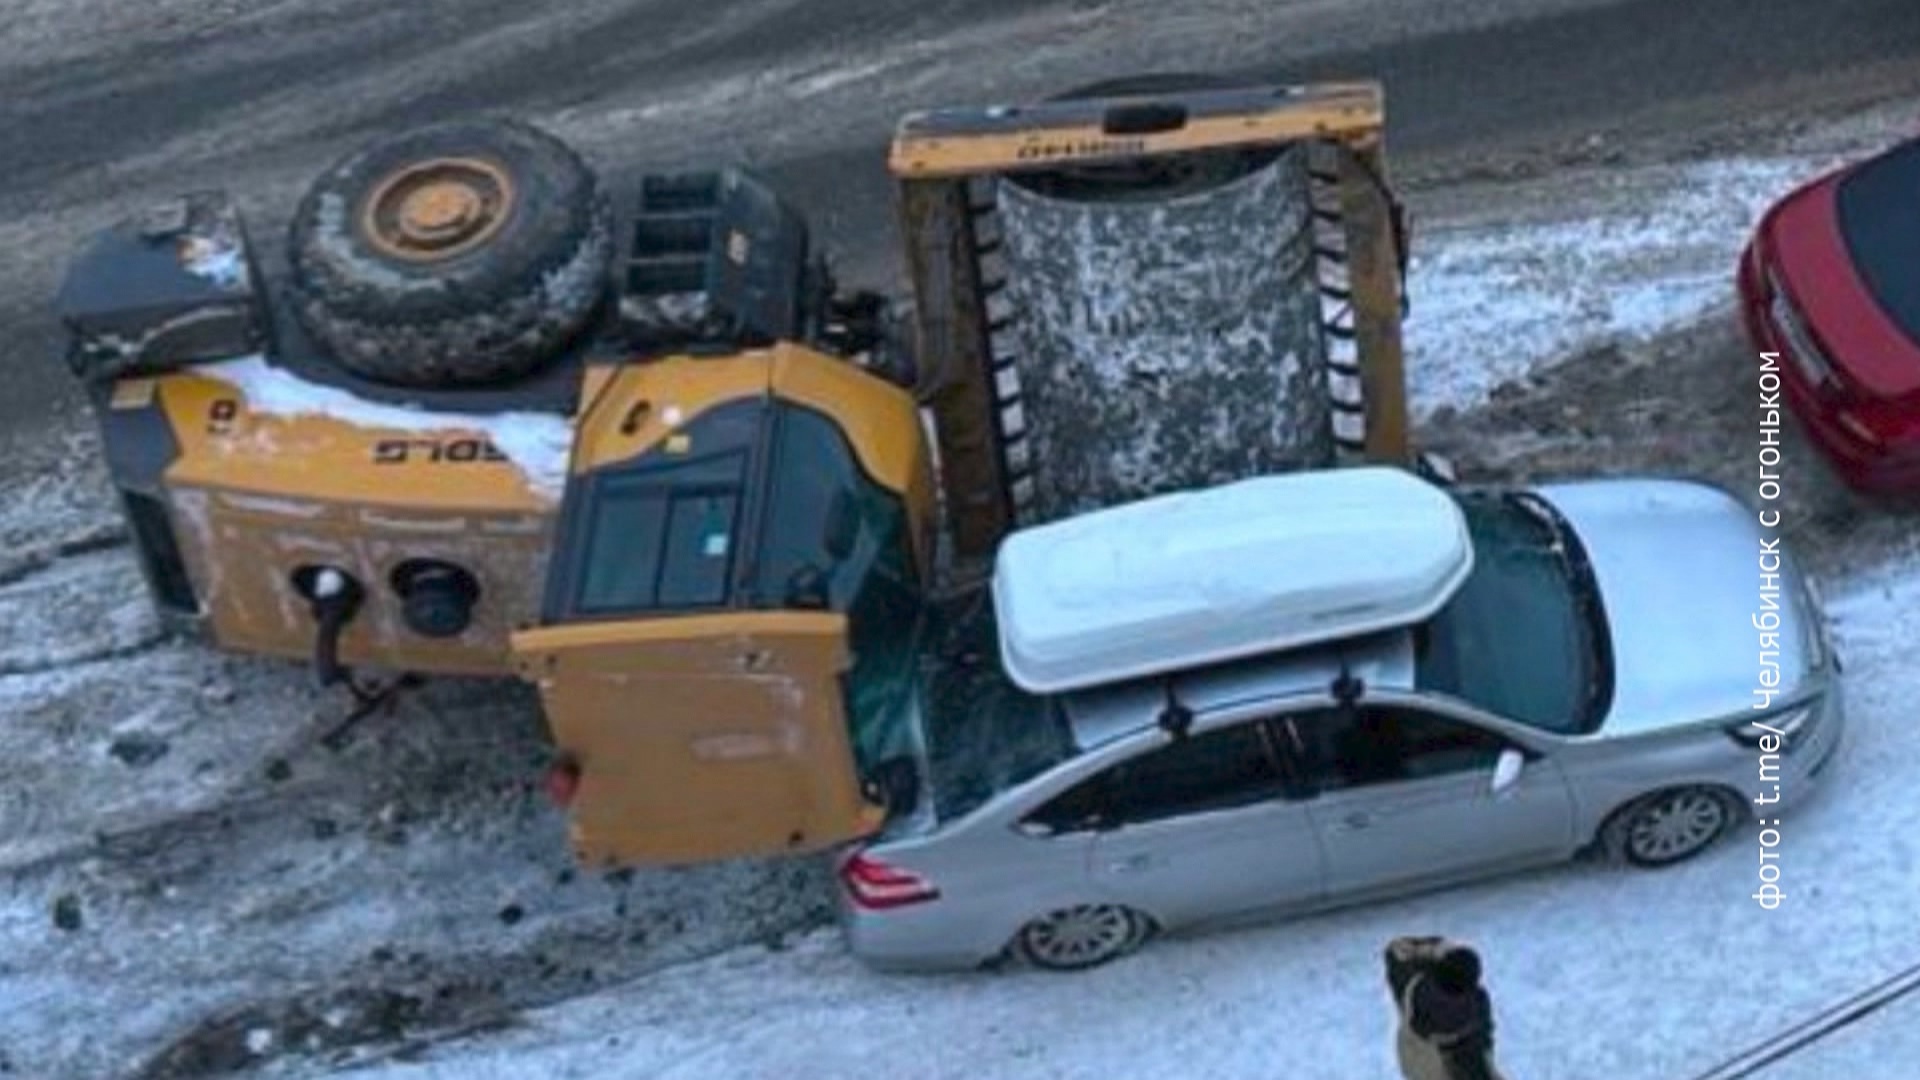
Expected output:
(326, 647)
(331, 614)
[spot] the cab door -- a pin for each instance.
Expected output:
(701, 737)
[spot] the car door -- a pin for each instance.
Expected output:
(1196, 827)
(1404, 796)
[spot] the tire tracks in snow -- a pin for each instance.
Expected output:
(95, 618)
(20, 565)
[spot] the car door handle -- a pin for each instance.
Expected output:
(1133, 864)
(1357, 820)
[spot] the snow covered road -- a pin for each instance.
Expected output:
(189, 876)
(1580, 260)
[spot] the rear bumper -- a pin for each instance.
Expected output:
(922, 938)
(1864, 466)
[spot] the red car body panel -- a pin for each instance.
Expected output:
(1866, 416)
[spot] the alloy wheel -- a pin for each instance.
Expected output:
(1675, 826)
(1081, 936)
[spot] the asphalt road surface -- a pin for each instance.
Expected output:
(105, 105)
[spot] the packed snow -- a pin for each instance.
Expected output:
(1578, 260)
(537, 443)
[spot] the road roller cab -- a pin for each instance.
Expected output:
(491, 420)
(727, 641)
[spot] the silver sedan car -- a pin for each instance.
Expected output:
(1590, 686)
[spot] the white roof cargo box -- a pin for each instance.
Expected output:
(1194, 578)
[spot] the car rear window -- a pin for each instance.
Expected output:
(1879, 210)
(984, 734)
(1516, 639)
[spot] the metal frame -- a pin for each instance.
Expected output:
(939, 159)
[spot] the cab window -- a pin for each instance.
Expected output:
(662, 537)
(833, 537)
(660, 532)
(816, 478)
(883, 630)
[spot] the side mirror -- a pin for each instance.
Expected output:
(1506, 771)
(843, 527)
(1437, 468)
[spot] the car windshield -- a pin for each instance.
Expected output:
(1879, 215)
(984, 735)
(1521, 639)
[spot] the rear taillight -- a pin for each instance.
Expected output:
(875, 885)
(563, 782)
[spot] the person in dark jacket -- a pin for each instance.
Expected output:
(1445, 1029)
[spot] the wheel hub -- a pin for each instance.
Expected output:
(1082, 933)
(1680, 825)
(437, 209)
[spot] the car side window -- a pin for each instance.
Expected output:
(1382, 744)
(1082, 806)
(1215, 770)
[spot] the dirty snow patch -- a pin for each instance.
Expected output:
(1578, 261)
(538, 443)
(95, 607)
(224, 264)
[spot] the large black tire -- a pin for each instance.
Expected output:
(404, 298)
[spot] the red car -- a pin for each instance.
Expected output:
(1831, 282)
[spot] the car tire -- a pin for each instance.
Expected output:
(462, 253)
(1669, 826)
(1081, 936)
